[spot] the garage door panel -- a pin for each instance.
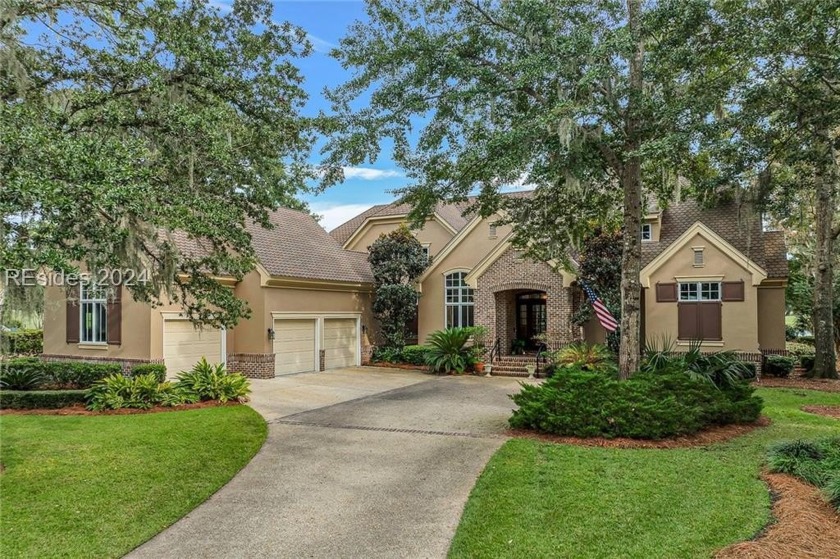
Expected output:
(340, 342)
(294, 346)
(184, 346)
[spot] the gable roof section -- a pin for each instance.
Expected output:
(298, 247)
(759, 274)
(500, 249)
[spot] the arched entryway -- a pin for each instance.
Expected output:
(531, 318)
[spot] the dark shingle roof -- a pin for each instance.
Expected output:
(299, 247)
(733, 223)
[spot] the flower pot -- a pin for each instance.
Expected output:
(479, 367)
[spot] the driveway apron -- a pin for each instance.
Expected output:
(359, 463)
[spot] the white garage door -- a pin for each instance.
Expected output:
(184, 346)
(294, 346)
(340, 342)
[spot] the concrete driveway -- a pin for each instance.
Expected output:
(359, 462)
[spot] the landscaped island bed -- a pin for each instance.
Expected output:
(99, 486)
(539, 499)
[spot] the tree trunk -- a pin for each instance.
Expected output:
(825, 363)
(631, 181)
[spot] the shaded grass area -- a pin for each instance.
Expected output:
(538, 499)
(78, 486)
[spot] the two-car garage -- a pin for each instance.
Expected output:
(300, 340)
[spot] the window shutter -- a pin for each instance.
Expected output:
(732, 291)
(666, 292)
(710, 320)
(687, 321)
(72, 307)
(114, 316)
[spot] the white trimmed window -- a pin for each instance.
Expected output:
(93, 316)
(459, 303)
(700, 291)
(425, 249)
(647, 232)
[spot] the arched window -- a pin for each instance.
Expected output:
(459, 301)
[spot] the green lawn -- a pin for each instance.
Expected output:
(546, 500)
(98, 486)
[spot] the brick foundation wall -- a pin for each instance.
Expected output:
(495, 298)
(125, 363)
(252, 365)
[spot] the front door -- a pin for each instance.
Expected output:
(532, 319)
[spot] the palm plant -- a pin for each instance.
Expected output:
(587, 357)
(721, 368)
(448, 350)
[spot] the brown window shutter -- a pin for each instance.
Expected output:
(114, 317)
(666, 292)
(732, 291)
(687, 321)
(72, 306)
(710, 320)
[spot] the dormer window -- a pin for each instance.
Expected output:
(647, 232)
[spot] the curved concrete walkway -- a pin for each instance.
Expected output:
(359, 463)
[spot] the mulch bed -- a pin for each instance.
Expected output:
(79, 409)
(824, 384)
(828, 411)
(805, 525)
(710, 436)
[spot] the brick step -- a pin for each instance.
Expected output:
(498, 367)
(516, 360)
(518, 374)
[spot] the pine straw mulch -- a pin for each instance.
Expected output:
(703, 438)
(824, 384)
(804, 525)
(828, 411)
(79, 409)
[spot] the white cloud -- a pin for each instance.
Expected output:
(224, 6)
(519, 184)
(319, 44)
(368, 174)
(333, 215)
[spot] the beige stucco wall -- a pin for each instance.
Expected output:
(433, 233)
(470, 251)
(771, 317)
(136, 329)
(739, 318)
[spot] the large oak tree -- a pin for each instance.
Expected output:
(144, 134)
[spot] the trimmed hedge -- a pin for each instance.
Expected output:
(410, 354)
(64, 374)
(22, 342)
(778, 365)
(157, 369)
(646, 406)
(40, 399)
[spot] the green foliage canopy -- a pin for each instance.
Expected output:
(143, 135)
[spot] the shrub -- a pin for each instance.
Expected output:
(157, 369)
(22, 342)
(40, 399)
(594, 357)
(581, 403)
(213, 382)
(807, 362)
(63, 374)
(817, 462)
(21, 378)
(414, 354)
(447, 350)
(778, 365)
(721, 368)
(387, 355)
(140, 392)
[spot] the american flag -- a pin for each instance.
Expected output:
(605, 317)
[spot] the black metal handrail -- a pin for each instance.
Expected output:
(542, 358)
(495, 350)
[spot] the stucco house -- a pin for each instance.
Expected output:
(310, 302)
(706, 275)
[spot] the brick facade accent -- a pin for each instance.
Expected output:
(495, 298)
(126, 363)
(252, 365)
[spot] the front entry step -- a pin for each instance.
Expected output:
(513, 365)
